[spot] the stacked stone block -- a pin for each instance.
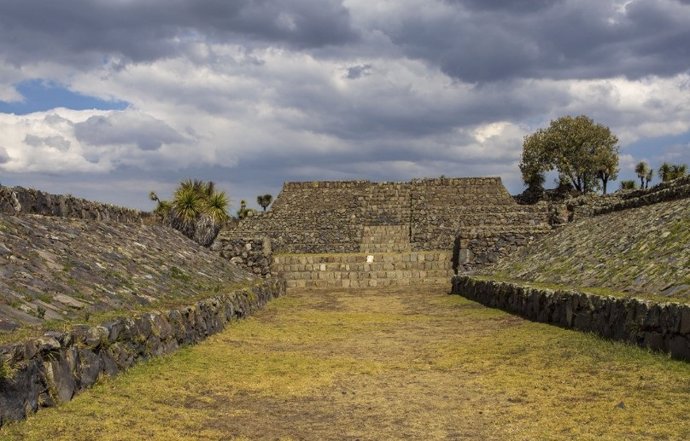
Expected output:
(385, 239)
(364, 271)
(659, 326)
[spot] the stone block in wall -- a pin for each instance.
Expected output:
(659, 327)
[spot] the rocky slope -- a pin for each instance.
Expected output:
(54, 268)
(641, 251)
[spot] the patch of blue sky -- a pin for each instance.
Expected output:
(662, 148)
(41, 95)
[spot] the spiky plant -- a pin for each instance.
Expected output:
(679, 171)
(648, 178)
(216, 206)
(642, 169)
(665, 171)
(197, 210)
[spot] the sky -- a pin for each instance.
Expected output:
(111, 99)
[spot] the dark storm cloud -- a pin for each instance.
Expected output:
(120, 128)
(400, 114)
(471, 40)
(88, 31)
(354, 72)
(520, 6)
(479, 41)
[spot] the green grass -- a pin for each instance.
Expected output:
(383, 365)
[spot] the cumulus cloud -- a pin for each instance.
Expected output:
(4, 156)
(57, 142)
(121, 128)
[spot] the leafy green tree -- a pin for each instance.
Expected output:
(584, 152)
(644, 172)
(197, 210)
(264, 200)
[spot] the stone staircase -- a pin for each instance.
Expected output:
(362, 270)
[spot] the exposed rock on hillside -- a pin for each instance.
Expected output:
(642, 251)
(57, 268)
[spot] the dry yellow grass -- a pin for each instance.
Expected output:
(373, 365)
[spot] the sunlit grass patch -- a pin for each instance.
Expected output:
(336, 365)
(558, 382)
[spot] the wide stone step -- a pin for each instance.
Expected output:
(361, 270)
(367, 283)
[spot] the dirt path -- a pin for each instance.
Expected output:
(394, 364)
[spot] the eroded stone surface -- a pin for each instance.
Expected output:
(61, 268)
(643, 250)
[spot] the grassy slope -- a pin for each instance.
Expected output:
(643, 252)
(383, 365)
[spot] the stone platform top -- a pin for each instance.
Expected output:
(423, 214)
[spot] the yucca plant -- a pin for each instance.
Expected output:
(665, 171)
(197, 210)
(679, 171)
(216, 206)
(644, 172)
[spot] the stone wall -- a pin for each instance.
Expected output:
(254, 255)
(330, 217)
(668, 191)
(595, 205)
(385, 238)
(364, 271)
(29, 201)
(659, 326)
(478, 248)
(52, 369)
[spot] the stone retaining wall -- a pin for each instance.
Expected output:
(385, 239)
(52, 369)
(478, 248)
(662, 327)
(254, 255)
(595, 205)
(364, 270)
(669, 191)
(29, 201)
